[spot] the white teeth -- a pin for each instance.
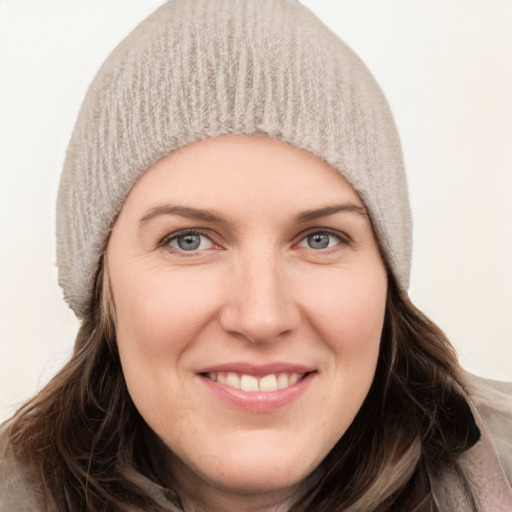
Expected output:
(282, 381)
(233, 380)
(268, 383)
(249, 383)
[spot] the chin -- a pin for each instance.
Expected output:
(256, 469)
(250, 480)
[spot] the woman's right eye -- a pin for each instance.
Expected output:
(189, 241)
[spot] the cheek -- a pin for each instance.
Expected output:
(159, 319)
(164, 311)
(349, 311)
(349, 317)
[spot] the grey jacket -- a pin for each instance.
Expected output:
(488, 463)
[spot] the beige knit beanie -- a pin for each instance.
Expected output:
(202, 68)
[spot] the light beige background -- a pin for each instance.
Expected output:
(446, 67)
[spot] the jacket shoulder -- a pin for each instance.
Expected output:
(20, 487)
(493, 401)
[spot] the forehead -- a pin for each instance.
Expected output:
(235, 171)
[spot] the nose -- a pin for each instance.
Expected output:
(260, 303)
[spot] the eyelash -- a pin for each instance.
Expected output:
(343, 240)
(166, 241)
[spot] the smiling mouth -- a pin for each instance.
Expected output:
(250, 383)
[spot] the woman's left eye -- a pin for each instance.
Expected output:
(189, 241)
(320, 240)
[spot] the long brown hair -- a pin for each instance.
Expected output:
(83, 435)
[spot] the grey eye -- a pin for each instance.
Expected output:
(189, 242)
(318, 240)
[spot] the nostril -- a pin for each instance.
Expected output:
(258, 325)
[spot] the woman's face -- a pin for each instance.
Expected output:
(249, 294)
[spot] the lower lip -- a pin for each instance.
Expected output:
(259, 401)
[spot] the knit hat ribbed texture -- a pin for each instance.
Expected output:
(201, 68)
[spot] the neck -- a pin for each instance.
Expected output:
(224, 504)
(199, 495)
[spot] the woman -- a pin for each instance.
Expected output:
(234, 232)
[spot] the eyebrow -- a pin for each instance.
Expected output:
(209, 216)
(330, 210)
(183, 211)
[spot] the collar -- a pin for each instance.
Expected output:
(485, 473)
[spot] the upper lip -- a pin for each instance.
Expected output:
(258, 370)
